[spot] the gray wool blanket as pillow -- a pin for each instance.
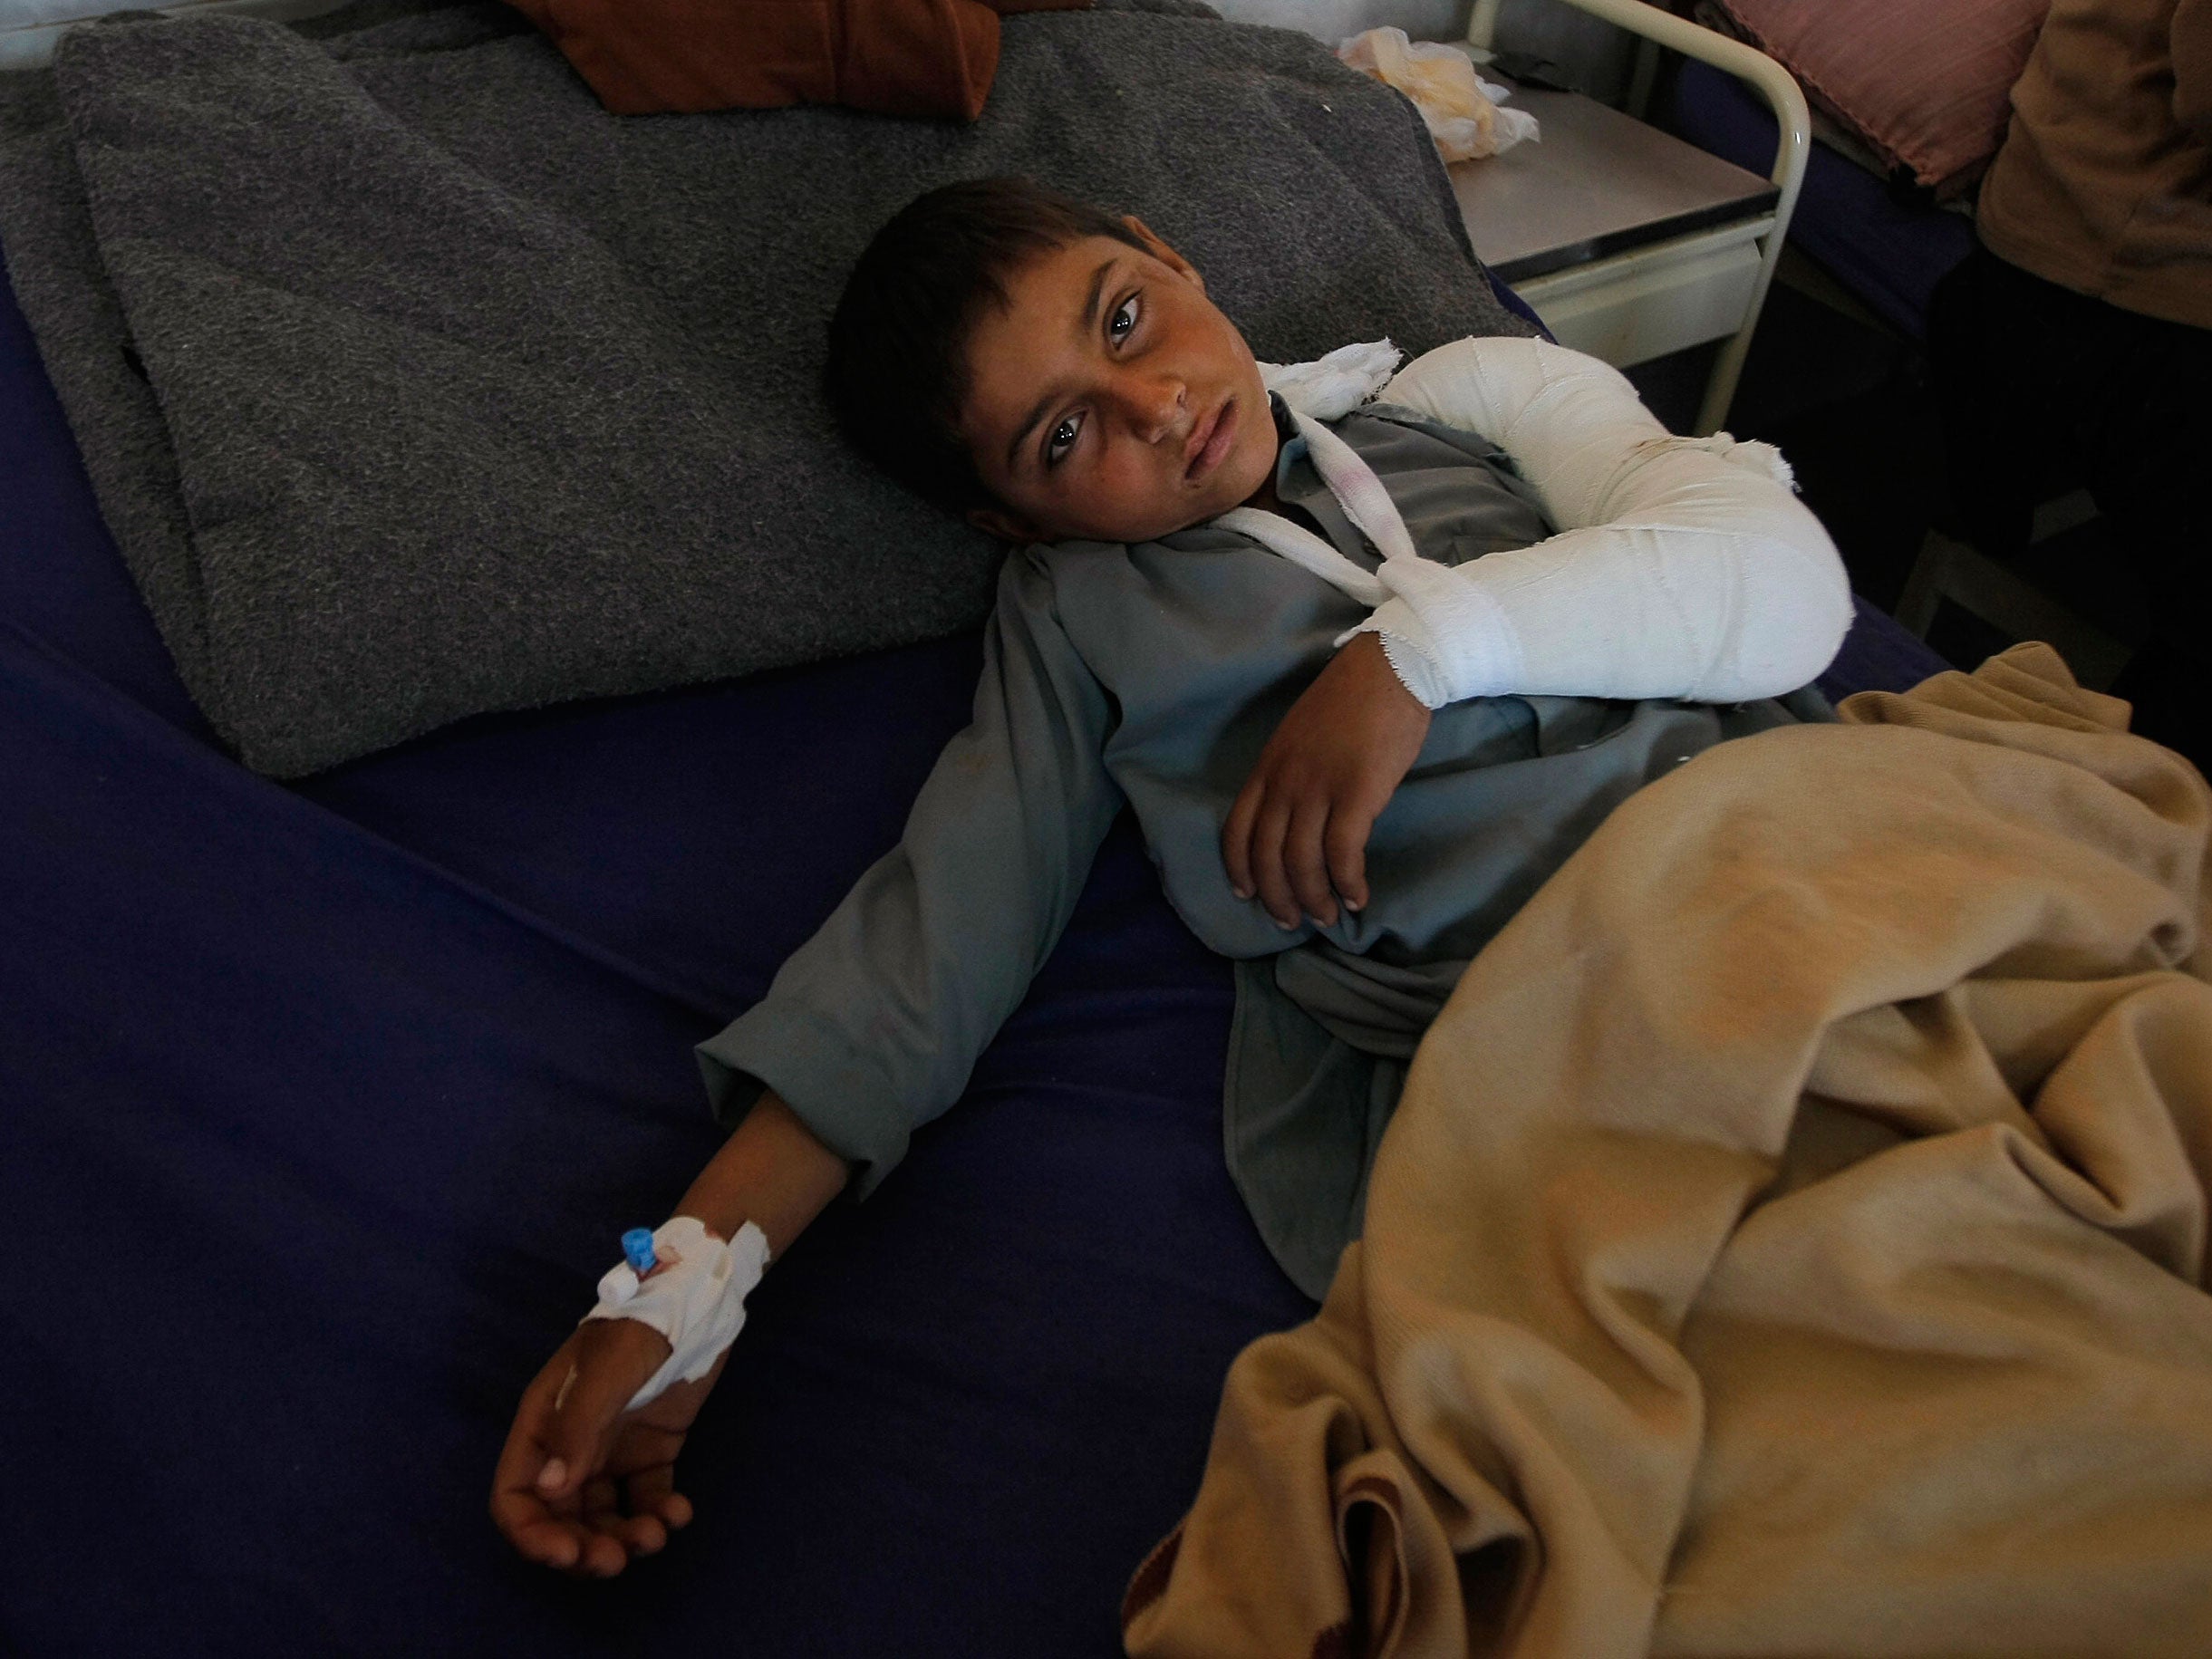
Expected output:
(415, 385)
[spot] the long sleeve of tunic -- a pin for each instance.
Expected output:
(873, 1026)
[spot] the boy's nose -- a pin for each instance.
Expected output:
(1156, 405)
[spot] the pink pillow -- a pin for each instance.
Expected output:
(1925, 83)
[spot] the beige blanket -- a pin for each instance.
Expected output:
(1792, 1239)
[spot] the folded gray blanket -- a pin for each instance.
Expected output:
(415, 385)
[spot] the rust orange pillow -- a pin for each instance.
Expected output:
(892, 57)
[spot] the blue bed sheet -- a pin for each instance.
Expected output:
(1889, 252)
(335, 1097)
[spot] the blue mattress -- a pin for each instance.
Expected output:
(1890, 252)
(335, 1097)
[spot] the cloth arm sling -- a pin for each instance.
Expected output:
(1683, 567)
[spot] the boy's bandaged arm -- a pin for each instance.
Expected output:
(1683, 567)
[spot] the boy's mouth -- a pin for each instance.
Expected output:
(1210, 441)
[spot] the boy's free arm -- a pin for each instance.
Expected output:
(873, 1026)
(870, 1028)
(1677, 572)
(583, 1485)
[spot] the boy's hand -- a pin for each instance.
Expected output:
(1297, 834)
(583, 1486)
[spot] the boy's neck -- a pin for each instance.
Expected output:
(1265, 497)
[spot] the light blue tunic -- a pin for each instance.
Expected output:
(1153, 675)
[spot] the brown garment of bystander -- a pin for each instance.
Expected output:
(2104, 182)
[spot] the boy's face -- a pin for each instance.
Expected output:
(1110, 401)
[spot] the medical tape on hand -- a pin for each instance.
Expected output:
(694, 1297)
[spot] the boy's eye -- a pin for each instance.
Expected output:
(1061, 440)
(1122, 320)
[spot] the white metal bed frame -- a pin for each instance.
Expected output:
(1695, 257)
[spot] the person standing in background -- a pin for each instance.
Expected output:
(2077, 339)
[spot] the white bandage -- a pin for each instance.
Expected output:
(1684, 567)
(695, 1297)
(1333, 386)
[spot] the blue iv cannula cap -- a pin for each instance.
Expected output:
(637, 1251)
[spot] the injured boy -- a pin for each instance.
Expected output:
(1369, 655)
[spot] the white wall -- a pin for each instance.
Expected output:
(1595, 51)
(1332, 20)
(30, 28)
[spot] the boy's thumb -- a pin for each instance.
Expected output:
(573, 1442)
(584, 1412)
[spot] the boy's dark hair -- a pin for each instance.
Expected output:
(897, 376)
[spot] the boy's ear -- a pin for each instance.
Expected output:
(1165, 255)
(1009, 527)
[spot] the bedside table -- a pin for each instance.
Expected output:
(1628, 242)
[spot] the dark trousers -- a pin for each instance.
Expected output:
(2043, 389)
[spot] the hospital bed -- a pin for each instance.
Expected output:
(321, 1104)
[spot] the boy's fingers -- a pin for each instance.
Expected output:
(603, 1520)
(1346, 845)
(1268, 873)
(639, 1535)
(551, 1497)
(1237, 833)
(519, 1461)
(652, 1489)
(599, 1499)
(547, 1543)
(538, 1531)
(563, 1544)
(602, 1557)
(609, 1369)
(529, 1525)
(516, 1506)
(1308, 869)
